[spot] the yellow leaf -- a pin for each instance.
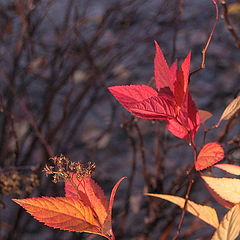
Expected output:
(230, 168)
(229, 228)
(205, 213)
(226, 188)
(230, 110)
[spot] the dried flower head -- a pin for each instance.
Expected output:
(62, 168)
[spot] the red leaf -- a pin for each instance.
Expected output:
(129, 94)
(86, 190)
(161, 70)
(210, 154)
(153, 108)
(187, 122)
(193, 117)
(181, 84)
(108, 221)
(113, 194)
(144, 101)
(177, 129)
(172, 102)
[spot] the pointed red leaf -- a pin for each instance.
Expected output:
(108, 222)
(113, 194)
(181, 84)
(161, 70)
(193, 117)
(89, 192)
(210, 154)
(144, 101)
(129, 94)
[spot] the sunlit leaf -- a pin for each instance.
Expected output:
(61, 212)
(144, 102)
(85, 189)
(219, 199)
(229, 228)
(172, 102)
(161, 70)
(210, 154)
(226, 188)
(83, 209)
(205, 213)
(230, 110)
(230, 168)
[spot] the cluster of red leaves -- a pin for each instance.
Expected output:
(83, 209)
(171, 102)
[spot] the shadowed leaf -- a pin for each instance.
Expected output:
(230, 168)
(204, 115)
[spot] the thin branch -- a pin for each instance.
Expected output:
(143, 157)
(204, 50)
(31, 120)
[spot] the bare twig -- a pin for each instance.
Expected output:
(204, 50)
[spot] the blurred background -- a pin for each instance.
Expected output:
(57, 58)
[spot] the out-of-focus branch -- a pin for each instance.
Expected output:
(228, 23)
(30, 118)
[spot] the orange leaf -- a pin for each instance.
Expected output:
(108, 221)
(229, 227)
(63, 213)
(210, 154)
(83, 209)
(204, 115)
(230, 168)
(87, 191)
(205, 213)
(227, 188)
(113, 193)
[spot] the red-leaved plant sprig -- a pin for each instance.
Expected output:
(171, 101)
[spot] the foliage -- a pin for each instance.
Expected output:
(61, 62)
